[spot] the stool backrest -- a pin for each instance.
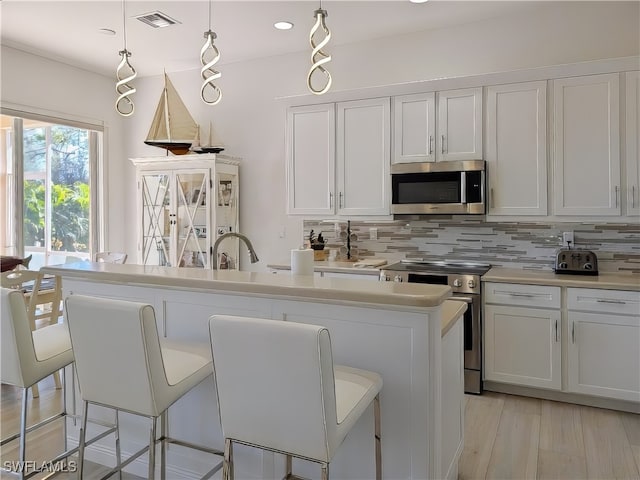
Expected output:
(275, 383)
(117, 352)
(19, 362)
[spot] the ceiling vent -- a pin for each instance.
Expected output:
(156, 19)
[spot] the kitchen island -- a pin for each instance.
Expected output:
(393, 329)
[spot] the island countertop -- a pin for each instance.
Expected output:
(258, 283)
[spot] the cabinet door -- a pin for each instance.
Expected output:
(414, 128)
(632, 106)
(586, 145)
(459, 125)
(363, 178)
(516, 148)
(156, 218)
(311, 159)
(192, 245)
(522, 346)
(604, 355)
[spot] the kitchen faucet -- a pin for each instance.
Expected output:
(252, 253)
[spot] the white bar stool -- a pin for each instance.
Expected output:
(291, 399)
(121, 365)
(28, 357)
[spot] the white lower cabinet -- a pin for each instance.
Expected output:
(523, 343)
(523, 346)
(603, 350)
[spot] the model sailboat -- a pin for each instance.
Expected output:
(214, 144)
(173, 128)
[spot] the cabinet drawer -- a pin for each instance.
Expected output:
(611, 301)
(525, 295)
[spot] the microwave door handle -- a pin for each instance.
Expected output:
(463, 187)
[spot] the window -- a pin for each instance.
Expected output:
(48, 183)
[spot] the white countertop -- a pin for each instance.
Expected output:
(451, 312)
(334, 267)
(609, 281)
(258, 283)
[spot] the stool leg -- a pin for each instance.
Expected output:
(118, 451)
(23, 431)
(376, 413)
(288, 467)
(325, 471)
(227, 465)
(163, 444)
(83, 435)
(152, 449)
(56, 380)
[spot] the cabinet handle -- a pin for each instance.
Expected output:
(573, 332)
(513, 294)
(340, 204)
(556, 331)
(493, 204)
(617, 189)
(633, 196)
(430, 144)
(330, 199)
(441, 143)
(617, 302)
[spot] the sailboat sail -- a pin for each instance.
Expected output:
(173, 127)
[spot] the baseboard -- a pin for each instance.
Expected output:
(612, 404)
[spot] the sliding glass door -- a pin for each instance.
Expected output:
(48, 181)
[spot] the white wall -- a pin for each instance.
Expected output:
(251, 122)
(35, 84)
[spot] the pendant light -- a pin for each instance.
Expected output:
(124, 104)
(318, 57)
(209, 92)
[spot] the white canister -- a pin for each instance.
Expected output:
(302, 261)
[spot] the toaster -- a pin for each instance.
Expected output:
(576, 262)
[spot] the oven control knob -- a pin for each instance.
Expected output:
(398, 279)
(471, 283)
(457, 282)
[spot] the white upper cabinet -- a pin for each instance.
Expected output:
(632, 106)
(459, 125)
(311, 159)
(516, 148)
(456, 135)
(414, 128)
(363, 178)
(339, 165)
(586, 146)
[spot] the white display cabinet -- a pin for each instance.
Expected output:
(184, 203)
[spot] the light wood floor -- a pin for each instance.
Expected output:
(511, 437)
(506, 437)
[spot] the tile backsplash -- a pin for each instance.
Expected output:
(507, 244)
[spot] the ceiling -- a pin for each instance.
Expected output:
(69, 31)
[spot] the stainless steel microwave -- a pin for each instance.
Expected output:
(455, 187)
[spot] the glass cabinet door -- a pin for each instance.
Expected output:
(193, 236)
(157, 219)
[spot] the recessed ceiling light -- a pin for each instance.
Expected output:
(418, 1)
(106, 31)
(283, 25)
(157, 19)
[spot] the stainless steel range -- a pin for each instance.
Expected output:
(464, 280)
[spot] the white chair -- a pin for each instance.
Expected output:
(121, 365)
(111, 257)
(291, 399)
(43, 300)
(28, 357)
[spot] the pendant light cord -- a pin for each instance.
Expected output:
(209, 14)
(124, 25)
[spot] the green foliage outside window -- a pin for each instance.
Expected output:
(69, 211)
